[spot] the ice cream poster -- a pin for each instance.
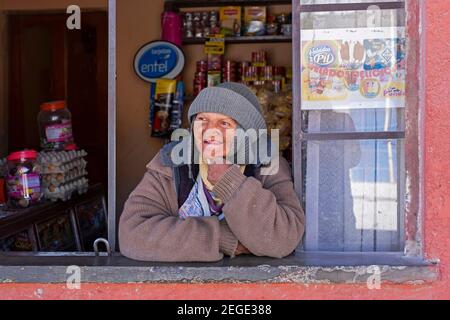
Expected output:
(353, 68)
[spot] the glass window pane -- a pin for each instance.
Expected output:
(353, 120)
(353, 74)
(344, 1)
(352, 19)
(351, 194)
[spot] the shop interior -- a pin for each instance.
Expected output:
(54, 127)
(49, 71)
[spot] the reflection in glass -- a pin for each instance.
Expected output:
(351, 190)
(350, 120)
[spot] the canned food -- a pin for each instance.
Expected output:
(259, 58)
(202, 66)
(251, 73)
(198, 87)
(266, 73)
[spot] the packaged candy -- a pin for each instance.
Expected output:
(55, 125)
(23, 179)
(230, 21)
(255, 21)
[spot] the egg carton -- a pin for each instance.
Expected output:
(62, 161)
(58, 179)
(66, 191)
(79, 164)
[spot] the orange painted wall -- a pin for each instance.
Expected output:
(436, 216)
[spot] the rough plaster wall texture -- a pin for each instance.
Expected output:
(437, 131)
(138, 22)
(217, 292)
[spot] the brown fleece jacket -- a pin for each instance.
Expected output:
(262, 212)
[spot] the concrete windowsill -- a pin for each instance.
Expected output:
(301, 267)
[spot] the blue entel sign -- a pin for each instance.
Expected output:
(159, 60)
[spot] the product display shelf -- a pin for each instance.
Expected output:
(243, 39)
(175, 5)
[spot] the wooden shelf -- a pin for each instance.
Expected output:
(243, 39)
(174, 5)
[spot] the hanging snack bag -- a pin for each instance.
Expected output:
(176, 116)
(255, 21)
(230, 21)
(162, 106)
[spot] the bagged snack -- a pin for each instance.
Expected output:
(230, 21)
(255, 21)
(215, 62)
(214, 78)
(162, 106)
(176, 116)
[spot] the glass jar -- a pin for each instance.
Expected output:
(23, 180)
(55, 126)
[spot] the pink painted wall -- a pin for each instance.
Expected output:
(436, 217)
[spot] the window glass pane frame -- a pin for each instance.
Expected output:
(412, 162)
(413, 259)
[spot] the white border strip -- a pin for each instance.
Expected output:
(112, 124)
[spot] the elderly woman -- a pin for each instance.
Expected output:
(201, 212)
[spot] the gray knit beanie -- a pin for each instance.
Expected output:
(232, 99)
(244, 91)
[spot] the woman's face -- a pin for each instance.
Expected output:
(213, 134)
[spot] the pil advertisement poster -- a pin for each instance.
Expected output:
(353, 68)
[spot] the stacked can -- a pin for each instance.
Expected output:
(279, 74)
(230, 72)
(266, 73)
(214, 27)
(200, 78)
(201, 24)
(198, 29)
(259, 59)
(242, 68)
(250, 74)
(188, 25)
